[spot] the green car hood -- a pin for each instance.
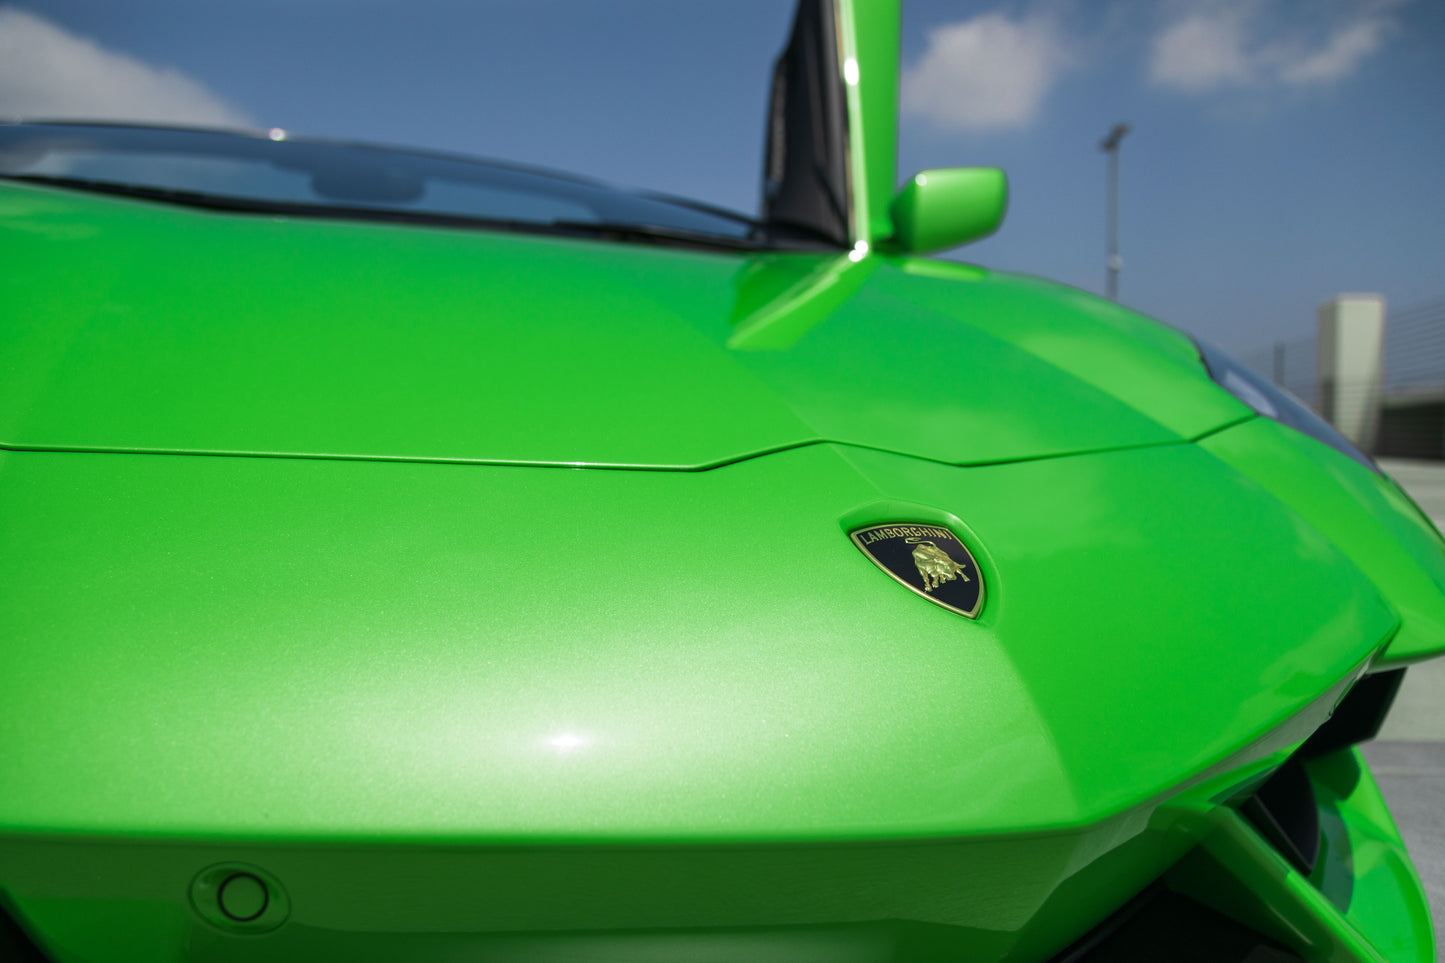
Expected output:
(132, 326)
(280, 648)
(470, 661)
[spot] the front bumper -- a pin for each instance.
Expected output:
(1228, 894)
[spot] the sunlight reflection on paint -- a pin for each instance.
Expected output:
(567, 742)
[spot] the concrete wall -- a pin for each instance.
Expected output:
(1351, 331)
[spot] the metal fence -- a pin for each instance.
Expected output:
(1415, 349)
(1291, 365)
(1412, 403)
(1412, 385)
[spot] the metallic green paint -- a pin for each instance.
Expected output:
(768, 320)
(298, 574)
(1385, 900)
(269, 336)
(1150, 367)
(390, 636)
(940, 209)
(1363, 903)
(103, 901)
(1366, 515)
(869, 38)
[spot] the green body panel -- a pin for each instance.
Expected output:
(1383, 898)
(140, 327)
(102, 901)
(1150, 367)
(395, 682)
(781, 299)
(378, 641)
(1363, 513)
(1362, 904)
(114, 901)
(869, 38)
(396, 687)
(300, 578)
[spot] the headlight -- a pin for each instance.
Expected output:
(1274, 402)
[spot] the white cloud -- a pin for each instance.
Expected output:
(985, 72)
(1200, 52)
(1210, 44)
(47, 72)
(1347, 47)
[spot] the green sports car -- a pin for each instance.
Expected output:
(406, 557)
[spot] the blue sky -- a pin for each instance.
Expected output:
(1282, 150)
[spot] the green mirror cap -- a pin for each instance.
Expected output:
(943, 208)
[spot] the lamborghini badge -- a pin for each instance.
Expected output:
(929, 559)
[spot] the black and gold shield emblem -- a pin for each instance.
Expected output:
(929, 559)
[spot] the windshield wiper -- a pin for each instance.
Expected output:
(652, 234)
(762, 237)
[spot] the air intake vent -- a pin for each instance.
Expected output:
(15, 944)
(1285, 813)
(1163, 925)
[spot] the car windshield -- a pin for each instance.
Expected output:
(512, 116)
(271, 170)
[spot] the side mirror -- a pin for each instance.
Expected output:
(943, 208)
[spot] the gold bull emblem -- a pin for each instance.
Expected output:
(934, 564)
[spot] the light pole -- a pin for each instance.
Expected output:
(1110, 146)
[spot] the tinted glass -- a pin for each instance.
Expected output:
(273, 167)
